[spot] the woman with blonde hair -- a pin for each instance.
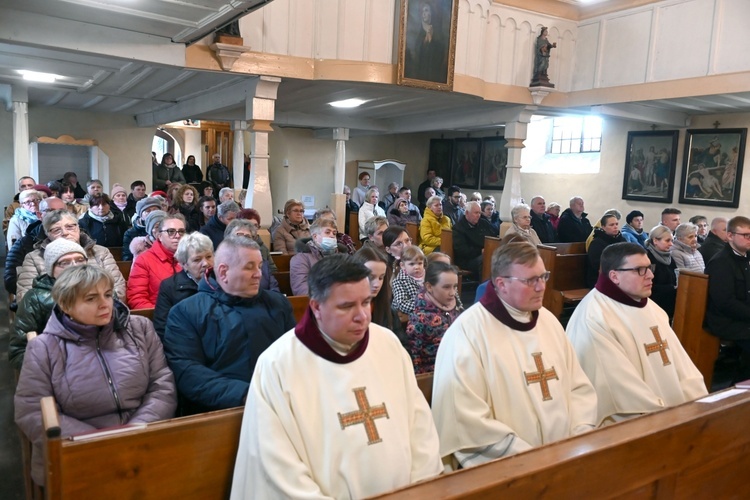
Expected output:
(369, 209)
(664, 287)
(292, 228)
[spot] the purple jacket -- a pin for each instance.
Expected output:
(74, 363)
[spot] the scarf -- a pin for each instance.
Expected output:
(101, 218)
(26, 215)
(663, 257)
(121, 206)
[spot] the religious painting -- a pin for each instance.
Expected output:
(427, 43)
(650, 163)
(712, 167)
(441, 154)
(465, 164)
(494, 163)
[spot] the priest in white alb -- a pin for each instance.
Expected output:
(334, 410)
(625, 343)
(506, 377)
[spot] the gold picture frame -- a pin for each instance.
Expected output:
(427, 43)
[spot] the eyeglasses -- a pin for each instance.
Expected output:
(530, 281)
(744, 235)
(30, 202)
(524, 217)
(67, 263)
(642, 271)
(172, 232)
(68, 228)
(298, 211)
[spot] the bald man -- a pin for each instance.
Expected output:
(715, 240)
(213, 339)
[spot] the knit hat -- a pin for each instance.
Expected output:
(117, 188)
(56, 249)
(146, 203)
(152, 220)
(632, 215)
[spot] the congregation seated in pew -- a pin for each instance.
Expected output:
(86, 359)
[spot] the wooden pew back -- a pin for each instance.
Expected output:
(446, 243)
(696, 450)
(285, 283)
(354, 228)
(189, 457)
(689, 313)
(490, 245)
(146, 313)
(299, 305)
(567, 269)
(116, 252)
(124, 266)
(412, 228)
(424, 381)
(282, 261)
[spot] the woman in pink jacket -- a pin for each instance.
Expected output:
(156, 264)
(104, 367)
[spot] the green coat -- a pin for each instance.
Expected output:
(32, 315)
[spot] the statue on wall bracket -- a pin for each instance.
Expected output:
(542, 51)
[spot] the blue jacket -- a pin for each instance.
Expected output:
(212, 341)
(214, 229)
(633, 237)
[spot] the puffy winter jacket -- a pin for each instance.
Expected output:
(213, 340)
(286, 234)
(32, 316)
(33, 266)
(150, 268)
(431, 229)
(100, 377)
(34, 234)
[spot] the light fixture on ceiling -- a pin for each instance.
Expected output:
(36, 76)
(348, 103)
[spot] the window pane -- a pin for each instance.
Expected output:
(565, 147)
(555, 147)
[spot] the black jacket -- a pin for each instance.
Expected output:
(728, 311)
(601, 241)
(172, 290)
(468, 240)
(543, 227)
(192, 173)
(710, 247)
(34, 234)
(663, 290)
(214, 229)
(193, 217)
(107, 234)
(571, 228)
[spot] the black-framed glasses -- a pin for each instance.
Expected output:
(172, 232)
(544, 277)
(642, 271)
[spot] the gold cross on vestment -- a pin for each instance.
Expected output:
(365, 415)
(541, 376)
(659, 346)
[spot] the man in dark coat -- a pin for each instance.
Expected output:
(574, 223)
(431, 174)
(468, 238)
(716, 239)
(218, 174)
(540, 221)
(216, 225)
(213, 339)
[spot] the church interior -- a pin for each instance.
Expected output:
(109, 80)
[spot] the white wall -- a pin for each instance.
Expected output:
(9, 186)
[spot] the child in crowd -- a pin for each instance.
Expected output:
(408, 282)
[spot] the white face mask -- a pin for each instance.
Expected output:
(328, 244)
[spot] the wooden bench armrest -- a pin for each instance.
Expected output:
(50, 419)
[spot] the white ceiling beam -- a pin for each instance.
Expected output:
(294, 119)
(54, 33)
(458, 119)
(643, 114)
(209, 103)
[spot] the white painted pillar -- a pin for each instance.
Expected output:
(21, 157)
(340, 135)
(515, 135)
(260, 112)
(238, 155)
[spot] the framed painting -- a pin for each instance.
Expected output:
(650, 163)
(441, 154)
(427, 43)
(465, 164)
(494, 162)
(712, 167)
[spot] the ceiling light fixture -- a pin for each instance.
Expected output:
(347, 103)
(35, 76)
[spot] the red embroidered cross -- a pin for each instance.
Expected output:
(365, 415)
(541, 376)
(659, 346)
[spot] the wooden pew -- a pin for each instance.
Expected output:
(696, 450)
(299, 305)
(424, 381)
(116, 252)
(189, 457)
(412, 228)
(490, 245)
(446, 243)
(146, 313)
(689, 313)
(124, 266)
(354, 228)
(285, 284)
(566, 285)
(282, 261)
